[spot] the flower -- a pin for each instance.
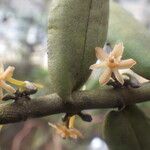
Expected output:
(67, 131)
(112, 63)
(3, 75)
(6, 76)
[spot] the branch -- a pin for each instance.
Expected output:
(81, 100)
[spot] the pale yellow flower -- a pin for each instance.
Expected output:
(3, 75)
(6, 76)
(112, 63)
(67, 131)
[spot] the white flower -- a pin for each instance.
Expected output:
(112, 63)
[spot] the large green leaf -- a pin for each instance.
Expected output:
(75, 28)
(127, 130)
(140, 124)
(136, 38)
(118, 132)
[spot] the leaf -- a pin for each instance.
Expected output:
(75, 28)
(127, 129)
(118, 132)
(141, 125)
(124, 27)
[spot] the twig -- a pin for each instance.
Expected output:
(81, 100)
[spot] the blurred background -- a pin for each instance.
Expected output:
(23, 37)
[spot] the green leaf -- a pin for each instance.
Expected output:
(136, 38)
(75, 28)
(118, 132)
(141, 125)
(127, 130)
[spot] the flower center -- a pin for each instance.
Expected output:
(112, 63)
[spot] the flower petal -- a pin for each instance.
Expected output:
(38, 85)
(52, 125)
(117, 51)
(7, 73)
(16, 82)
(126, 64)
(74, 133)
(118, 76)
(65, 132)
(105, 77)
(7, 87)
(61, 130)
(71, 122)
(1, 68)
(96, 66)
(101, 54)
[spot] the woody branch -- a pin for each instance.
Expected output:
(23, 109)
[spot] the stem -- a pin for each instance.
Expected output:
(81, 100)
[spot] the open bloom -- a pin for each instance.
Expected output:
(112, 63)
(6, 76)
(67, 131)
(3, 75)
